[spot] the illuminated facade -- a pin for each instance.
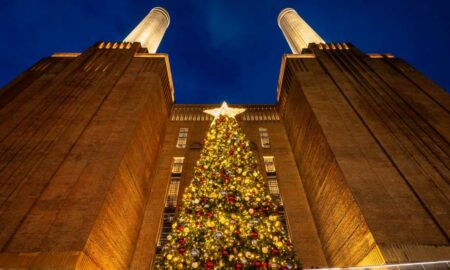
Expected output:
(297, 32)
(96, 155)
(150, 31)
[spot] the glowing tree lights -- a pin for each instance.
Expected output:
(228, 219)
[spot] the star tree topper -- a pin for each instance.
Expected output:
(224, 110)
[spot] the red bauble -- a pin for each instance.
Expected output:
(237, 231)
(182, 250)
(254, 234)
(198, 213)
(226, 179)
(225, 252)
(238, 266)
(264, 264)
(285, 268)
(257, 263)
(231, 152)
(209, 265)
(180, 228)
(231, 199)
(182, 241)
(208, 214)
(275, 251)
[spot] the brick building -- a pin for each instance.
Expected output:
(95, 155)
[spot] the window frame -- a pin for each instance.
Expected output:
(177, 166)
(269, 165)
(182, 138)
(264, 136)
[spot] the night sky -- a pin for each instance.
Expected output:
(227, 50)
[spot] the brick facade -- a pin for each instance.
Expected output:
(360, 144)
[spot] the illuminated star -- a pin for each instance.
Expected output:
(224, 110)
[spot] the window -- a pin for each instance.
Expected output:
(168, 218)
(177, 165)
(274, 190)
(182, 138)
(171, 204)
(265, 142)
(270, 165)
(172, 194)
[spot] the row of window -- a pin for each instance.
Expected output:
(177, 165)
(183, 135)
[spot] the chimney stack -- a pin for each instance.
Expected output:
(296, 31)
(150, 31)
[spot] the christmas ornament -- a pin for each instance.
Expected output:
(227, 219)
(194, 253)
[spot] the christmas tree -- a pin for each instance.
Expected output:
(228, 219)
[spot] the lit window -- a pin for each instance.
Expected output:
(182, 138)
(265, 142)
(274, 190)
(177, 165)
(269, 164)
(171, 204)
(172, 194)
(168, 218)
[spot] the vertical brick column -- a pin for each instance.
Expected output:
(78, 146)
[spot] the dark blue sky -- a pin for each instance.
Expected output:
(227, 50)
